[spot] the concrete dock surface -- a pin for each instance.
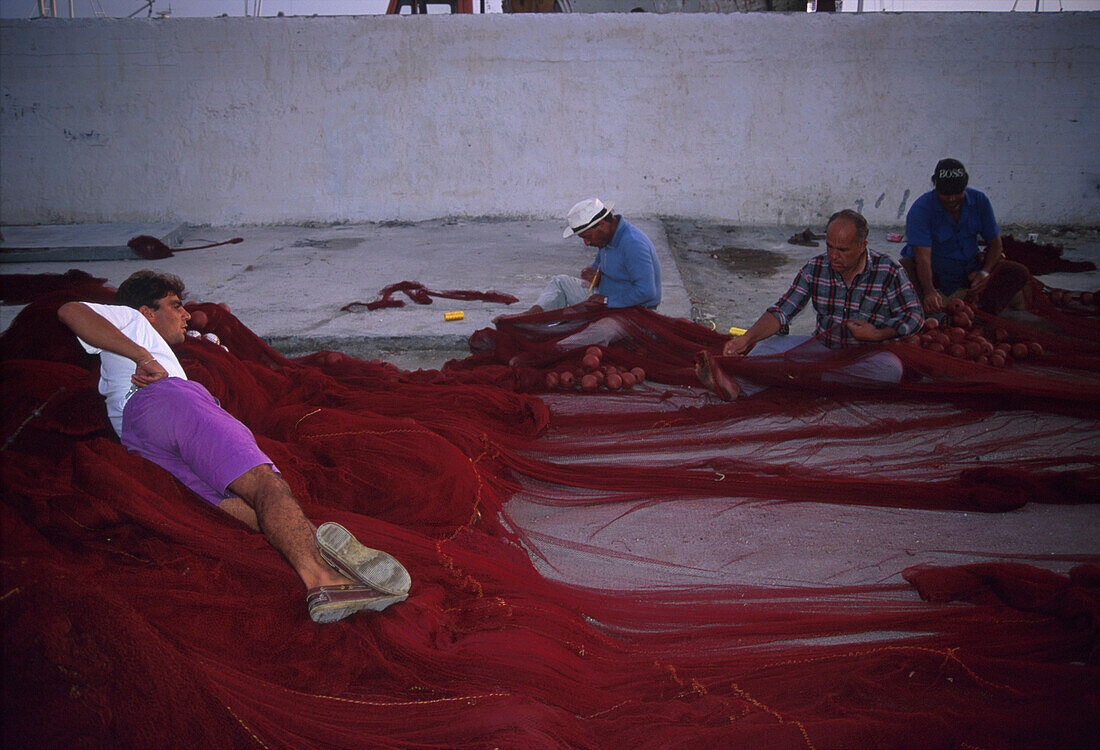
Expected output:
(289, 283)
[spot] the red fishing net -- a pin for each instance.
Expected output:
(1042, 259)
(134, 615)
(421, 295)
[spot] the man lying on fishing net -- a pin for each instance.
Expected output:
(174, 422)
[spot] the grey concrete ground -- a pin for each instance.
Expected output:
(288, 284)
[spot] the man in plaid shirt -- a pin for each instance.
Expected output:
(860, 297)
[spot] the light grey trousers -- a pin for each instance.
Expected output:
(879, 368)
(563, 291)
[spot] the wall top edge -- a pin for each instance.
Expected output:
(632, 18)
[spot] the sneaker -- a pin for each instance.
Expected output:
(332, 603)
(381, 571)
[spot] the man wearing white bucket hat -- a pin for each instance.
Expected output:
(625, 272)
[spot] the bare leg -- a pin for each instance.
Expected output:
(529, 311)
(1022, 300)
(279, 517)
(702, 371)
(711, 375)
(240, 510)
(1004, 288)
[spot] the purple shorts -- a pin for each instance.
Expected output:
(179, 426)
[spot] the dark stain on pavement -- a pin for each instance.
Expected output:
(749, 260)
(338, 243)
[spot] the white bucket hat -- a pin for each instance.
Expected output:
(585, 215)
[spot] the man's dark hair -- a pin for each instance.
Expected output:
(862, 230)
(148, 288)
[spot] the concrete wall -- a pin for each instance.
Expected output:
(746, 118)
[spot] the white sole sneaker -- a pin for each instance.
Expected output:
(377, 569)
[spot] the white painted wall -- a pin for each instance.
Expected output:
(747, 118)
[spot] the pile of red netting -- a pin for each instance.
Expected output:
(134, 615)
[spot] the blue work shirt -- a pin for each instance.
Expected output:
(630, 273)
(954, 244)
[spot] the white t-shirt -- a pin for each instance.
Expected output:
(115, 370)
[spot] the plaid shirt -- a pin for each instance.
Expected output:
(881, 294)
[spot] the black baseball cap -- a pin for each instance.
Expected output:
(950, 177)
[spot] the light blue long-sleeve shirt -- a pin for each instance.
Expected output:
(630, 273)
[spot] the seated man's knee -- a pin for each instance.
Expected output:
(1013, 272)
(1005, 282)
(608, 329)
(889, 368)
(872, 370)
(561, 291)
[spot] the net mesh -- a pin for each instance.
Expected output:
(134, 615)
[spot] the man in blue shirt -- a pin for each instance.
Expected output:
(625, 272)
(942, 257)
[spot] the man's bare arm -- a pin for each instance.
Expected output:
(99, 332)
(767, 325)
(930, 296)
(862, 330)
(993, 254)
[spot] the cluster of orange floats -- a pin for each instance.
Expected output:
(959, 336)
(593, 375)
(1077, 301)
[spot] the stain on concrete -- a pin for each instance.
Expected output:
(728, 275)
(90, 137)
(340, 243)
(749, 260)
